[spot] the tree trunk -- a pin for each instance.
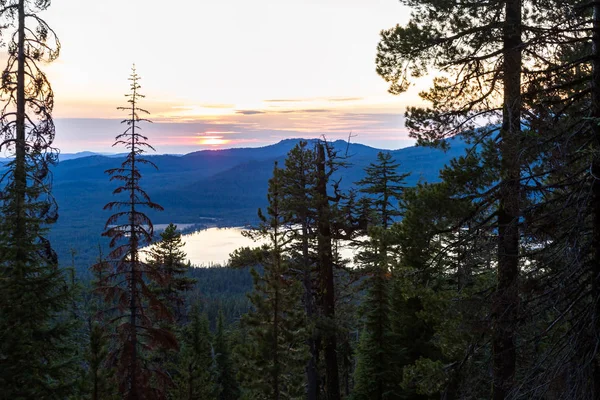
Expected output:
(327, 293)
(506, 301)
(312, 374)
(133, 394)
(595, 89)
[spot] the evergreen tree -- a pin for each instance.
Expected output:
(138, 310)
(196, 379)
(317, 215)
(546, 63)
(385, 185)
(169, 261)
(483, 77)
(377, 373)
(35, 350)
(226, 376)
(297, 187)
(100, 380)
(440, 300)
(325, 263)
(275, 353)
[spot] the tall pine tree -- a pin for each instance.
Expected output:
(138, 310)
(275, 354)
(34, 346)
(297, 198)
(228, 387)
(377, 373)
(196, 375)
(168, 260)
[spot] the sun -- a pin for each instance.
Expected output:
(212, 141)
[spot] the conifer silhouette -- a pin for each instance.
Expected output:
(138, 310)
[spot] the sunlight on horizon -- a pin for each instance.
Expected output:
(246, 68)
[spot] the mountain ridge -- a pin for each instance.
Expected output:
(227, 184)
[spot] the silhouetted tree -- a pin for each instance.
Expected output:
(196, 375)
(138, 311)
(169, 260)
(483, 80)
(100, 380)
(377, 360)
(34, 346)
(325, 262)
(228, 387)
(275, 354)
(297, 186)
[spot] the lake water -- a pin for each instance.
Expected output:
(212, 246)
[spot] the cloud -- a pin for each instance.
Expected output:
(217, 105)
(249, 112)
(308, 110)
(314, 110)
(319, 99)
(241, 129)
(287, 100)
(344, 99)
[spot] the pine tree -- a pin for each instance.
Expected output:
(376, 376)
(100, 380)
(377, 373)
(556, 46)
(385, 185)
(35, 351)
(226, 376)
(483, 78)
(275, 355)
(317, 215)
(196, 378)
(297, 187)
(168, 259)
(427, 304)
(138, 310)
(325, 261)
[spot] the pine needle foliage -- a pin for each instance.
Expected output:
(169, 260)
(138, 312)
(196, 378)
(275, 354)
(377, 373)
(35, 351)
(228, 387)
(385, 186)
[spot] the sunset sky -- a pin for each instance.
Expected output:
(225, 73)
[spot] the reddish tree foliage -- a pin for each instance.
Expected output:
(137, 312)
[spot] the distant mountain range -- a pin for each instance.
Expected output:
(73, 156)
(229, 185)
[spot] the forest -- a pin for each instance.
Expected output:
(483, 285)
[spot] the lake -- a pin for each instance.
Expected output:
(212, 246)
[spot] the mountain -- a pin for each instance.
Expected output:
(229, 185)
(71, 156)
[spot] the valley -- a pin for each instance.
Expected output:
(202, 189)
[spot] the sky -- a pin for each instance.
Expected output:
(225, 73)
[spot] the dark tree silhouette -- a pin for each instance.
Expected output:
(275, 354)
(169, 260)
(377, 360)
(138, 309)
(33, 291)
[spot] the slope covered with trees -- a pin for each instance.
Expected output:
(476, 272)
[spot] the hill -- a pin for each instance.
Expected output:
(226, 185)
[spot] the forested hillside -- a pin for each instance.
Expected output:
(476, 267)
(229, 185)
